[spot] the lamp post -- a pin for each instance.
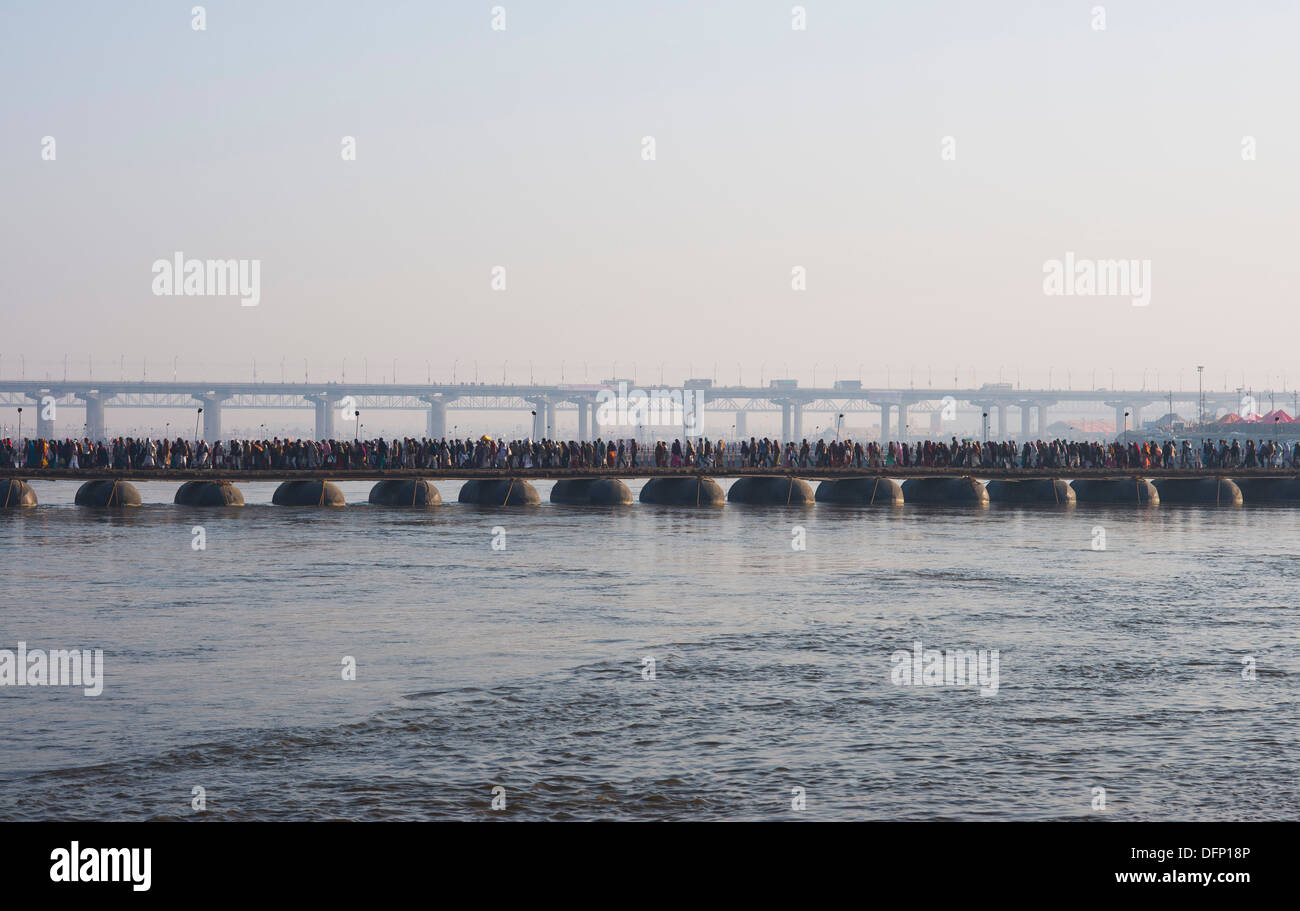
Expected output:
(20, 424)
(196, 424)
(985, 426)
(356, 432)
(1200, 395)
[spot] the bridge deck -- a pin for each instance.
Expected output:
(466, 474)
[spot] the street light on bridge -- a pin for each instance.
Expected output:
(1200, 395)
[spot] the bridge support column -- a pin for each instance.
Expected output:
(742, 424)
(1042, 420)
(45, 411)
(785, 422)
(1026, 418)
(884, 423)
(324, 419)
(693, 418)
(550, 420)
(595, 422)
(693, 413)
(1119, 418)
(212, 416)
(95, 417)
(582, 421)
(435, 419)
(539, 420)
(796, 416)
(1002, 422)
(903, 428)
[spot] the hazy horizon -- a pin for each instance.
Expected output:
(775, 149)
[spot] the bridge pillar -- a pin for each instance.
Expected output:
(785, 422)
(595, 422)
(539, 419)
(1120, 408)
(582, 420)
(902, 421)
(435, 419)
(550, 420)
(95, 416)
(324, 419)
(742, 424)
(45, 411)
(1026, 417)
(884, 423)
(212, 416)
(796, 416)
(1002, 421)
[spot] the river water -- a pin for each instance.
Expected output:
(523, 667)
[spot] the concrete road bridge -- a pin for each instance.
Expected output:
(336, 403)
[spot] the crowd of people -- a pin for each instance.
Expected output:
(125, 453)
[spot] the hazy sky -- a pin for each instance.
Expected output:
(775, 148)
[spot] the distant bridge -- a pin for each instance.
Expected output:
(335, 402)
